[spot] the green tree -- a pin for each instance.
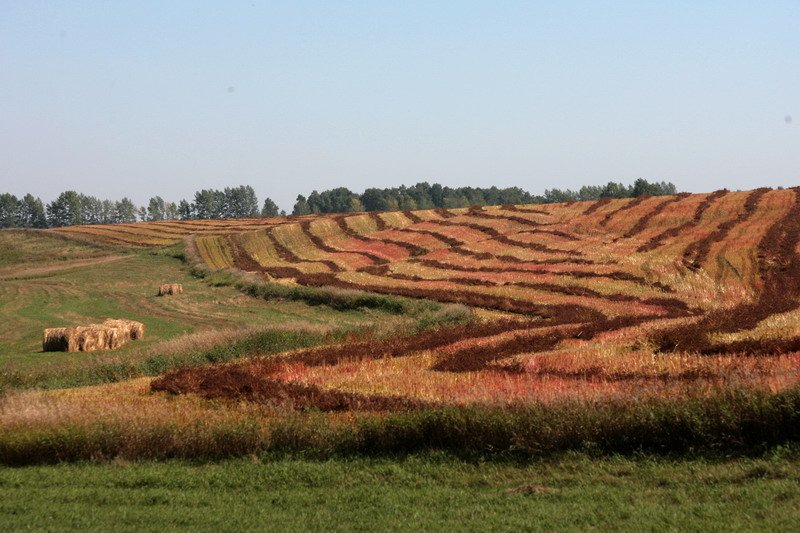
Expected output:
(91, 209)
(239, 202)
(65, 210)
(31, 212)
(209, 203)
(9, 211)
(301, 206)
(124, 211)
(185, 210)
(156, 209)
(270, 208)
(170, 211)
(616, 190)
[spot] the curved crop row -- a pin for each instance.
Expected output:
(779, 267)
(643, 221)
(696, 253)
(670, 233)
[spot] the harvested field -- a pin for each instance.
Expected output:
(578, 284)
(686, 280)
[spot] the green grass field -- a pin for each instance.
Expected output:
(47, 281)
(428, 493)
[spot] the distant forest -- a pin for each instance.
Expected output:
(73, 208)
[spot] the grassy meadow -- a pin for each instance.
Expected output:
(427, 492)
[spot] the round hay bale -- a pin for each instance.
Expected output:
(169, 289)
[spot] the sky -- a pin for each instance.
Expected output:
(164, 98)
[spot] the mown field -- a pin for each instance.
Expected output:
(453, 353)
(420, 493)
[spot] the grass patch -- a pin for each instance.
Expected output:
(421, 492)
(428, 312)
(112, 368)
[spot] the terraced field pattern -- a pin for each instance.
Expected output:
(669, 295)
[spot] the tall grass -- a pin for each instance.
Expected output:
(730, 422)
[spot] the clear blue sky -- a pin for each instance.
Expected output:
(146, 98)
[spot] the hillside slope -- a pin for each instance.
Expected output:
(592, 290)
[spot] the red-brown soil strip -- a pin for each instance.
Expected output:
(673, 306)
(630, 205)
(241, 258)
(252, 382)
(509, 207)
(325, 247)
(596, 205)
(413, 217)
(555, 232)
(512, 259)
(290, 257)
(659, 239)
(536, 246)
(779, 268)
(641, 224)
(444, 213)
(449, 241)
(472, 225)
(413, 249)
(379, 222)
(480, 357)
(552, 312)
(615, 275)
(520, 220)
(696, 253)
(371, 349)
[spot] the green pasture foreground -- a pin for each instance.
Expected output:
(423, 492)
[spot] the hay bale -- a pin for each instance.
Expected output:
(58, 340)
(91, 338)
(130, 329)
(109, 335)
(170, 289)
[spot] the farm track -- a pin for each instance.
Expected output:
(28, 272)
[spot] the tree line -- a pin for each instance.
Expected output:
(426, 196)
(71, 208)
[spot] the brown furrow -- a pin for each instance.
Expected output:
(670, 233)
